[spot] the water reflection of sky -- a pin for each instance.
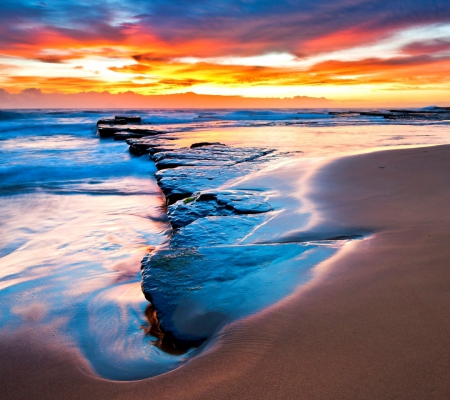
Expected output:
(77, 218)
(325, 141)
(74, 264)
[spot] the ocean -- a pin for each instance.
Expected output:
(78, 214)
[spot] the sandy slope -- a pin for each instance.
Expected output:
(375, 323)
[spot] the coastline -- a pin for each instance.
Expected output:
(376, 327)
(228, 257)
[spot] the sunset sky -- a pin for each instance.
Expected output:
(346, 50)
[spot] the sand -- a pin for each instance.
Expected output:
(374, 322)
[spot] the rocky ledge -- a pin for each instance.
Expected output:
(209, 219)
(198, 290)
(216, 203)
(120, 120)
(121, 132)
(213, 270)
(182, 178)
(122, 127)
(428, 114)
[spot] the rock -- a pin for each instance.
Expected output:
(210, 156)
(139, 130)
(217, 230)
(200, 169)
(373, 113)
(120, 120)
(173, 163)
(123, 135)
(185, 211)
(192, 285)
(442, 108)
(213, 272)
(434, 111)
(150, 145)
(429, 116)
(179, 183)
(202, 144)
(196, 291)
(216, 203)
(141, 150)
(434, 114)
(111, 121)
(149, 141)
(133, 119)
(344, 113)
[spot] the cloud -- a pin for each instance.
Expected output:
(236, 27)
(33, 92)
(156, 36)
(28, 99)
(428, 47)
(51, 59)
(252, 27)
(424, 68)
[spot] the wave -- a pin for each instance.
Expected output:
(51, 121)
(10, 115)
(63, 188)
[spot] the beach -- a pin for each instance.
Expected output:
(373, 322)
(224, 200)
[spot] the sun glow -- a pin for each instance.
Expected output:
(122, 52)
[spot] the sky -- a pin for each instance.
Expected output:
(347, 51)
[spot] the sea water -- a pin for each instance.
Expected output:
(78, 213)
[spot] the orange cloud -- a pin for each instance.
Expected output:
(157, 75)
(343, 39)
(98, 47)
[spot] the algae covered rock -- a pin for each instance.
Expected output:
(196, 291)
(216, 203)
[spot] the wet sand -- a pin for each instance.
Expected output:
(373, 323)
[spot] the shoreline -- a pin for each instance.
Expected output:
(227, 258)
(374, 325)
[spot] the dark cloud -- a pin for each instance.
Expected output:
(178, 83)
(99, 30)
(239, 27)
(133, 69)
(28, 22)
(428, 47)
(250, 27)
(51, 59)
(152, 57)
(32, 92)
